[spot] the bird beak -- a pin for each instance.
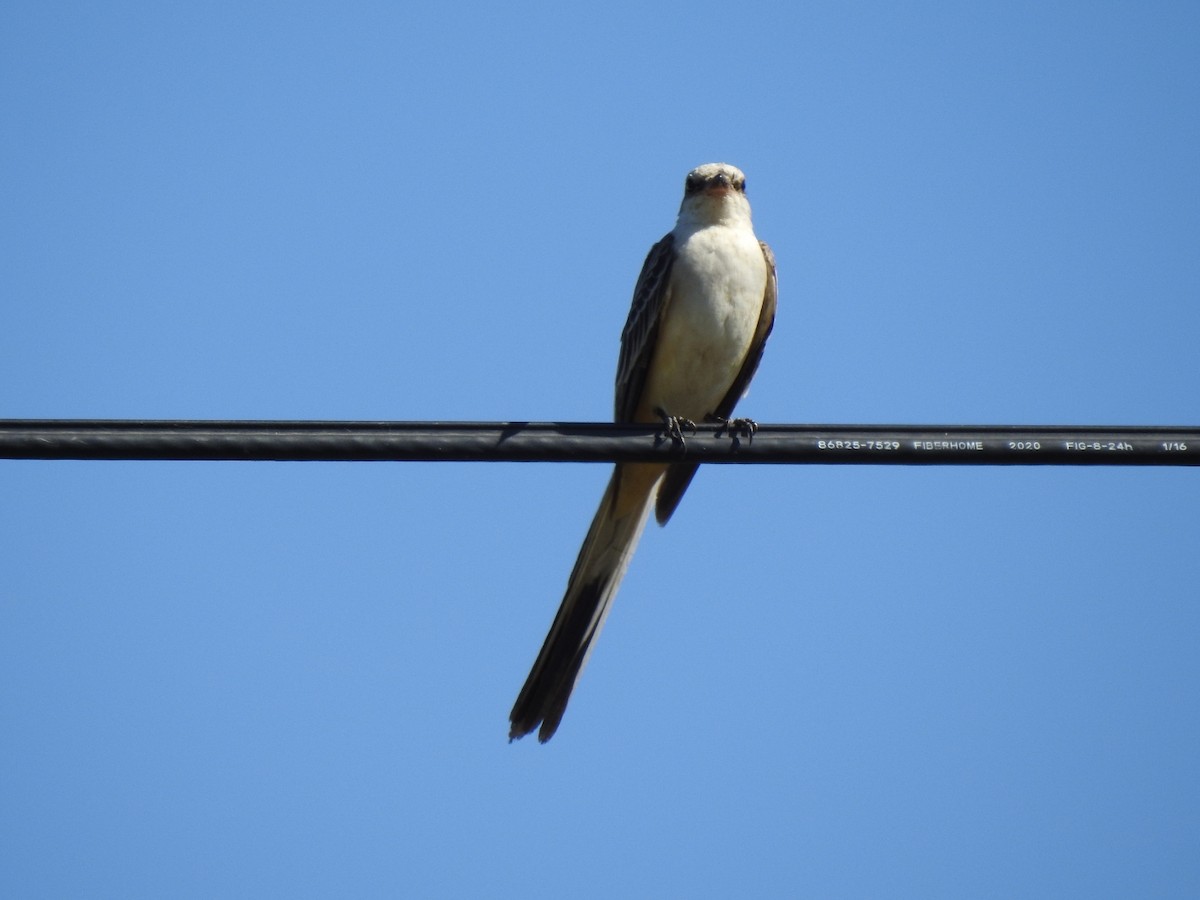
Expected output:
(719, 186)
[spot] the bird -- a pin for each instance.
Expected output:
(702, 309)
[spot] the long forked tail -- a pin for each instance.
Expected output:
(598, 571)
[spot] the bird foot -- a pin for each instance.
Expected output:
(736, 428)
(675, 426)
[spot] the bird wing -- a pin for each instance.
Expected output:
(640, 335)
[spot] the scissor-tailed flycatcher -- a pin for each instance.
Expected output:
(702, 309)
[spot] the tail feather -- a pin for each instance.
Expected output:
(598, 571)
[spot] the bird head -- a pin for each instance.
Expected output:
(713, 193)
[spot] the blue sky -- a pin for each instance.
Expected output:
(258, 679)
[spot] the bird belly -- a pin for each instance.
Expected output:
(718, 284)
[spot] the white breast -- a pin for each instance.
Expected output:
(718, 282)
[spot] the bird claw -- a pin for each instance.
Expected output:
(736, 428)
(675, 426)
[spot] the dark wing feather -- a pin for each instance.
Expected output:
(679, 476)
(641, 328)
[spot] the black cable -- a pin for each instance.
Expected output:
(597, 442)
